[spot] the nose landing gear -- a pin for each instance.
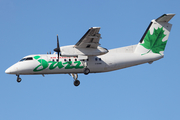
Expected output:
(76, 83)
(18, 79)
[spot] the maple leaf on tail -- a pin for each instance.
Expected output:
(154, 42)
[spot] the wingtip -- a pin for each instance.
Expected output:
(171, 14)
(95, 28)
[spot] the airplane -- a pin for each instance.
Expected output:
(87, 56)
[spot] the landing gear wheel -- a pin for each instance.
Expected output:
(76, 83)
(86, 71)
(19, 80)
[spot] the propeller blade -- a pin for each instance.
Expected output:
(58, 43)
(58, 57)
(58, 50)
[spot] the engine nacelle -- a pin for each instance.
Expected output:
(71, 50)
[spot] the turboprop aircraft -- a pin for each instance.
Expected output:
(86, 56)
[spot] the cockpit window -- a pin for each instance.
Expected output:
(23, 59)
(28, 58)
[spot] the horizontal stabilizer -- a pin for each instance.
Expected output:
(165, 18)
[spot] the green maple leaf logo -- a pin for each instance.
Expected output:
(154, 42)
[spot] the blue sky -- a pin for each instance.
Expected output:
(144, 92)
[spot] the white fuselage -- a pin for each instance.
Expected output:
(113, 60)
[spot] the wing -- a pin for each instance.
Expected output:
(90, 39)
(88, 45)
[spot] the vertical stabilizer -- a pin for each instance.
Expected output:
(155, 37)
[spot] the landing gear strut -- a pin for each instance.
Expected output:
(75, 76)
(18, 79)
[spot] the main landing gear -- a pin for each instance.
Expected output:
(18, 79)
(75, 76)
(86, 71)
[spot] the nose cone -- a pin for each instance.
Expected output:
(13, 69)
(8, 71)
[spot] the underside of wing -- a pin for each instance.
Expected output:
(90, 39)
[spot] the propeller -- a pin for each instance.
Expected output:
(58, 50)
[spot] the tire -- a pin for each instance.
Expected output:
(19, 80)
(76, 83)
(86, 71)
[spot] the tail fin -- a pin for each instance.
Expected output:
(155, 37)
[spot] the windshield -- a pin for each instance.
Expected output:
(28, 58)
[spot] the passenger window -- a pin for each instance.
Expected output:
(96, 59)
(69, 59)
(53, 60)
(75, 59)
(64, 59)
(99, 59)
